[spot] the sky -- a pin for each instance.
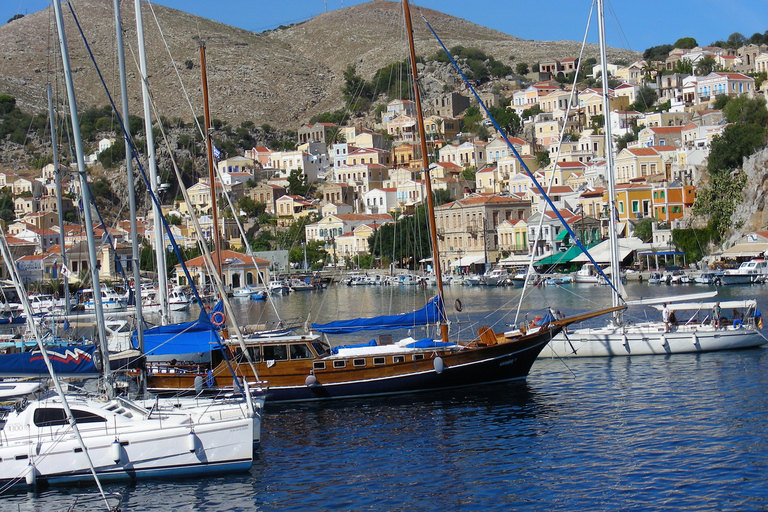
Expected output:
(632, 25)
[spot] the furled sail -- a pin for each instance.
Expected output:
(429, 314)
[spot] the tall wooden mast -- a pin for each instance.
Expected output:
(211, 168)
(427, 179)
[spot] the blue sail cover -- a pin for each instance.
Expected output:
(183, 338)
(429, 314)
(67, 360)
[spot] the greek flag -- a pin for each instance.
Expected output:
(216, 152)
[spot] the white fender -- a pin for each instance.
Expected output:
(439, 365)
(695, 340)
(310, 381)
(191, 441)
(116, 450)
(30, 475)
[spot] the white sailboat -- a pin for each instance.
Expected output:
(48, 441)
(695, 333)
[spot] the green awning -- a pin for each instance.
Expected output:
(562, 257)
(561, 235)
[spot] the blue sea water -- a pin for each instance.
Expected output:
(684, 432)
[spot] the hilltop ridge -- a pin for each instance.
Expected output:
(281, 77)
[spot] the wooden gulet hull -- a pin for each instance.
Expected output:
(434, 369)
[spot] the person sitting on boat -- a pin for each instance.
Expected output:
(665, 317)
(716, 315)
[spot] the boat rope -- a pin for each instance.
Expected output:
(520, 159)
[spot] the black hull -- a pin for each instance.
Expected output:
(499, 363)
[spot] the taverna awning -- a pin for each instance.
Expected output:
(752, 250)
(602, 251)
(468, 260)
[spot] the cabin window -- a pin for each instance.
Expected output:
(358, 362)
(340, 364)
(300, 352)
(319, 365)
(398, 359)
(53, 416)
(379, 361)
(418, 357)
(254, 353)
(276, 352)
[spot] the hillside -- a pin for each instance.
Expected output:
(280, 77)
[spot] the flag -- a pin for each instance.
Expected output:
(65, 271)
(216, 152)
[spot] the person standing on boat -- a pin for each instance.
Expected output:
(716, 315)
(665, 317)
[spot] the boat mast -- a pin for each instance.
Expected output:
(59, 203)
(86, 196)
(427, 179)
(211, 169)
(162, 273)
(131, 195)
(609, 170)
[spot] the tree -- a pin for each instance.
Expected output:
(686, 43)
(644, 230)
(532, 111)
(113, 155)
(645, 99)
(251, 208)
(522, 68)
(705, 66)
(542, 159)
(297, 183)
(745, 110)
(441, 196)
(657, 52)
(684, 67)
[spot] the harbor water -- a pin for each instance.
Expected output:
(625, 433)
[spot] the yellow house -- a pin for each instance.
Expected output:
(513, 235)
(487, 180)
(591, 103)
(405, 155)
(441, 127)
(633, 163)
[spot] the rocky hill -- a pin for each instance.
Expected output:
(280, 77)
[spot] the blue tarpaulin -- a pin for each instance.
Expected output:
(431, 313)
(183, 338)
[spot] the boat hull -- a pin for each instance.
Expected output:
(379, 374)
(650, 339)
(181, 443)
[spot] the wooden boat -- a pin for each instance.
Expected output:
(307, 367)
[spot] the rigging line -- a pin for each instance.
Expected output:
(522, 163)
(165, 224)
(175, 68)
(619, 29)
(557, 156)
(209, 261)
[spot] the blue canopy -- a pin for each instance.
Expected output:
(183, 338)
(67, 360)
(431, 313)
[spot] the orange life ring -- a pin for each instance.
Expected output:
(218, 318)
